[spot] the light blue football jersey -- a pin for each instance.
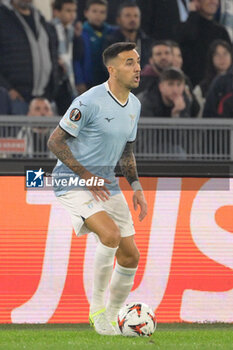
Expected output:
(101, 126)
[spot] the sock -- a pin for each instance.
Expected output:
(103, 266)
(120, 287)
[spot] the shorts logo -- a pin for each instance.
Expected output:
(34, 179)
(89, 203)
(75, 115)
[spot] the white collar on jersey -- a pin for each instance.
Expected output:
(113, 96)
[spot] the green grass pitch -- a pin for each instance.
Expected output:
(82, 337)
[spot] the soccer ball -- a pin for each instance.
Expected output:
(136, 320)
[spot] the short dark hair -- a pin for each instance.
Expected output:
(95, 2)
(172, 74)
(58, 4)
(113, 50)
(211, 71)
(159, 43)
(126, 4)
(173, 44)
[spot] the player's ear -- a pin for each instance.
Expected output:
(110, 70)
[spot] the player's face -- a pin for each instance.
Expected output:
(96, 14)
(130, 19)
(209, 7)
(161, 57)
(68, 13)
(40, 108)
(171, 89)
(127, 69)
(177, 58)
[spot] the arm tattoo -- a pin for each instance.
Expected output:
(57, 144)
(128, 163)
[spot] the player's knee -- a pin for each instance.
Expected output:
(112, 237)
(132, 260)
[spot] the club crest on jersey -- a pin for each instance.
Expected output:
(75, 115)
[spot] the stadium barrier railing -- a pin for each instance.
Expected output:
(157, 138)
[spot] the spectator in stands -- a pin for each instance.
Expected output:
(177, 62)
(219, 100)
(36, 138)
(160, 17)
(113, 8)
(219, 60)
(5, 102)
(226, 16)
(177, 58)
(65, 12)
(195, 36)
(169, 100)
(129, 21)
(89, 68)
(160, 59)
(28, 54)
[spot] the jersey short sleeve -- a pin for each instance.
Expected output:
(78, 115)
(133, 134)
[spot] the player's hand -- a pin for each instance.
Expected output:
(139, 199)
(99, 192)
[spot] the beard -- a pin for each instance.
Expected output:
(160, 68)
(134, 85)
(132, 30)
(132, 27)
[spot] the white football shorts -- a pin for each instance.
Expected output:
(81, 205)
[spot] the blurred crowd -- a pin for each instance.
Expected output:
(51, 51)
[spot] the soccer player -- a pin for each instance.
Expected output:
(97, 131)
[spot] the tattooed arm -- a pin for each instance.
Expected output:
(57, 144)
(128, 163)
(129, 170)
